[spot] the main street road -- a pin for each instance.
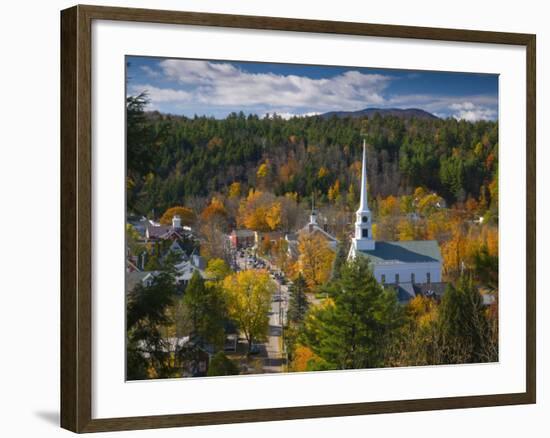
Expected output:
(274, 357)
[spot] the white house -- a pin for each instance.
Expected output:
(412, 265)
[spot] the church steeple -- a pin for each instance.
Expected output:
(313, 214)
(363, 205)
(363, 240)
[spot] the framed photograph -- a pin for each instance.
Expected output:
(268, 218)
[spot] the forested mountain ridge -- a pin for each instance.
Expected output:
(173, 160)
(406, 113)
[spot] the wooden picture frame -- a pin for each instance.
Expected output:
(76, 218)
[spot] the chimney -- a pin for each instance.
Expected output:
(176, 222)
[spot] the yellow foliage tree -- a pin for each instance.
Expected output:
(315, 259)
(437, 226)
(454, 250)
(234, 190)
(217, 270)
(491, 239)
(273, 216)
(406, 230)
(259, 212)
(186, 214)
(389, 206)
(302, 357)
(419, 193)
(429, 204)
(248, 296)
(334, 191)
(423, 310)
(263, 170)
(323, 171)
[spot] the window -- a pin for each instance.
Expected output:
(365, 233)
(396, 278)
(383, 279)
(428, 278)
(365, 219)
(412, 277)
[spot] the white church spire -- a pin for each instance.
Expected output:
(364, 206)
(363, 241)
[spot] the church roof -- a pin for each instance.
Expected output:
(406, 251)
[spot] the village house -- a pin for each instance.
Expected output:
(241, 239)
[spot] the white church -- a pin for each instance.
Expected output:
(411, 266)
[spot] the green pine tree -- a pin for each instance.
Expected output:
(298, 303)
(357, 328)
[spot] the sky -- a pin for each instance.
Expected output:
(218, 88)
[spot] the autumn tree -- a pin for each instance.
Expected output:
(417, 341)
(334, 191)
(215, 212)
(315, 259)
(463, 325)
(214, 209)
(213, 241)
(186, 215)
(260, 211)
(248, 295)
(304, 359)
(217, 270)
(234, 190)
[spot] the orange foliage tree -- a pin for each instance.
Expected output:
(260, 212)
(186, 214)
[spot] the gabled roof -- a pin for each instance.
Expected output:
(135, 277)
(406, 251)
(164, 232)
(243, 233)
(316, 229)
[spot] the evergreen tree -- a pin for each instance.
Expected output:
(145, 317)
(298, 303)
(206, 311)
(354, 329)
(221, 365)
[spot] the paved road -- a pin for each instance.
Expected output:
(271, 350)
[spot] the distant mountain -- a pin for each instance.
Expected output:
(407, 113)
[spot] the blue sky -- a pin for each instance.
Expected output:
(217, 88)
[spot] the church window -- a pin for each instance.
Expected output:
(396, 278)
(365, 219)
(365, 233)
(412, 277)
(428, 278)
(383, 279)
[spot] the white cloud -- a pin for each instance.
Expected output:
(159, 95)
(287, 115)
(223, 84)
(149, 71)
(472, 112)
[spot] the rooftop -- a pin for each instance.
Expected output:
(406, 251)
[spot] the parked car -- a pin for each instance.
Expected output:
(254, 349)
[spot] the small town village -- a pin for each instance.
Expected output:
(269, 279)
